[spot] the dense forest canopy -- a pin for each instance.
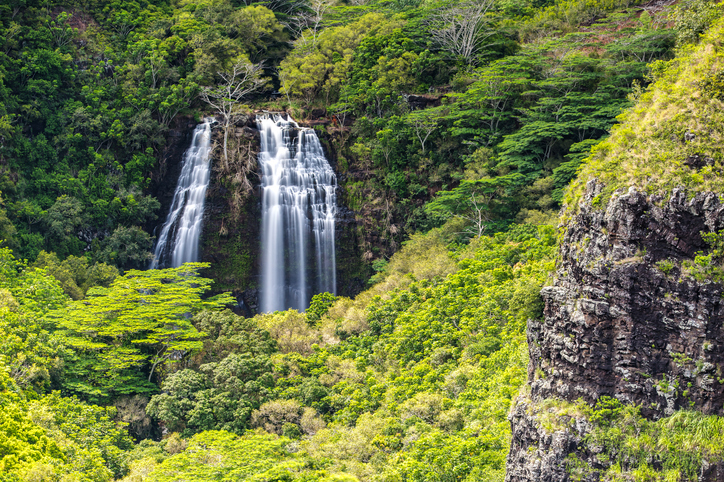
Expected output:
(515, 96)
(456, 126)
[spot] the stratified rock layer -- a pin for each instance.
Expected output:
(625, 317)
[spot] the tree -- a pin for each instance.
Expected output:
(286, 82)
(127, 247)
(386, 143)
(477, 202)
(23, 442)
(29, 351)
(230, 333)
(60, 30)
(74, 274)
(318, 307)
(321, 64)
(243, 79)
(257, 27)
(307, 23)
(220, 455)
(140, 322)
(58, 438)
(220, 396)
(8, 233)
(423, 124)
(62, 222)
(692, 18)
(494, 92)
(88, 430)
(174, 99)
(460, 29)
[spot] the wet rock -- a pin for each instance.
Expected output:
(422, 101)
(316, 114)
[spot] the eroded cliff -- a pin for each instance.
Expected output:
(632, 314)
(626, 371)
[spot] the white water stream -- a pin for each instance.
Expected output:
(298, 210)
(178, 242)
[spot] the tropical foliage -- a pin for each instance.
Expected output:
(456, 128)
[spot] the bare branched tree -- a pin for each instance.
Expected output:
(287, 7)
(318, 9)
(243, 79)
(479, 215)
(423, 126)
(461, 29)
(306, 24)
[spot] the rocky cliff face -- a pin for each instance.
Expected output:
(631, 314)
(166, 173)
(230, 239)
(353, 270)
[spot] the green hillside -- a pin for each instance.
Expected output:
(455, 159)
(672, 137)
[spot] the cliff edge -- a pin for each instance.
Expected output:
(632, 314)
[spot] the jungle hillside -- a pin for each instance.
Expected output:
(457, 131)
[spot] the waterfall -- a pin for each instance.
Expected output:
(178, 242)
(298, 210)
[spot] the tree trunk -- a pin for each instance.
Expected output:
(226, 136)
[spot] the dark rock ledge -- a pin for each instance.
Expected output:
(624, 317)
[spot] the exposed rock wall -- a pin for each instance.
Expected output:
(540, 454)
(352, 270)
(231, 237)
(629, 315)
(165, 175)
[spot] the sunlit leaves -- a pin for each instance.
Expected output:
(140, 321)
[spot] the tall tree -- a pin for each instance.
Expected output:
(460, 29)
(241, 80)
(478, 202)
(141, 321)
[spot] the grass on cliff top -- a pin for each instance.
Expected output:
(648, 148)
(670, 449)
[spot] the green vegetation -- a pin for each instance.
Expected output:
(89, 92)
(500, 132)
(140, 321)
(456, 157)
(58, 438)
(635, 448)
(412, 379)
(672, 137)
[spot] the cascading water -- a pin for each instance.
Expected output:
(298, 210)
(178, 242)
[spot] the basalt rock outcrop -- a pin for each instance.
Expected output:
(632, 313)
(230, 239)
